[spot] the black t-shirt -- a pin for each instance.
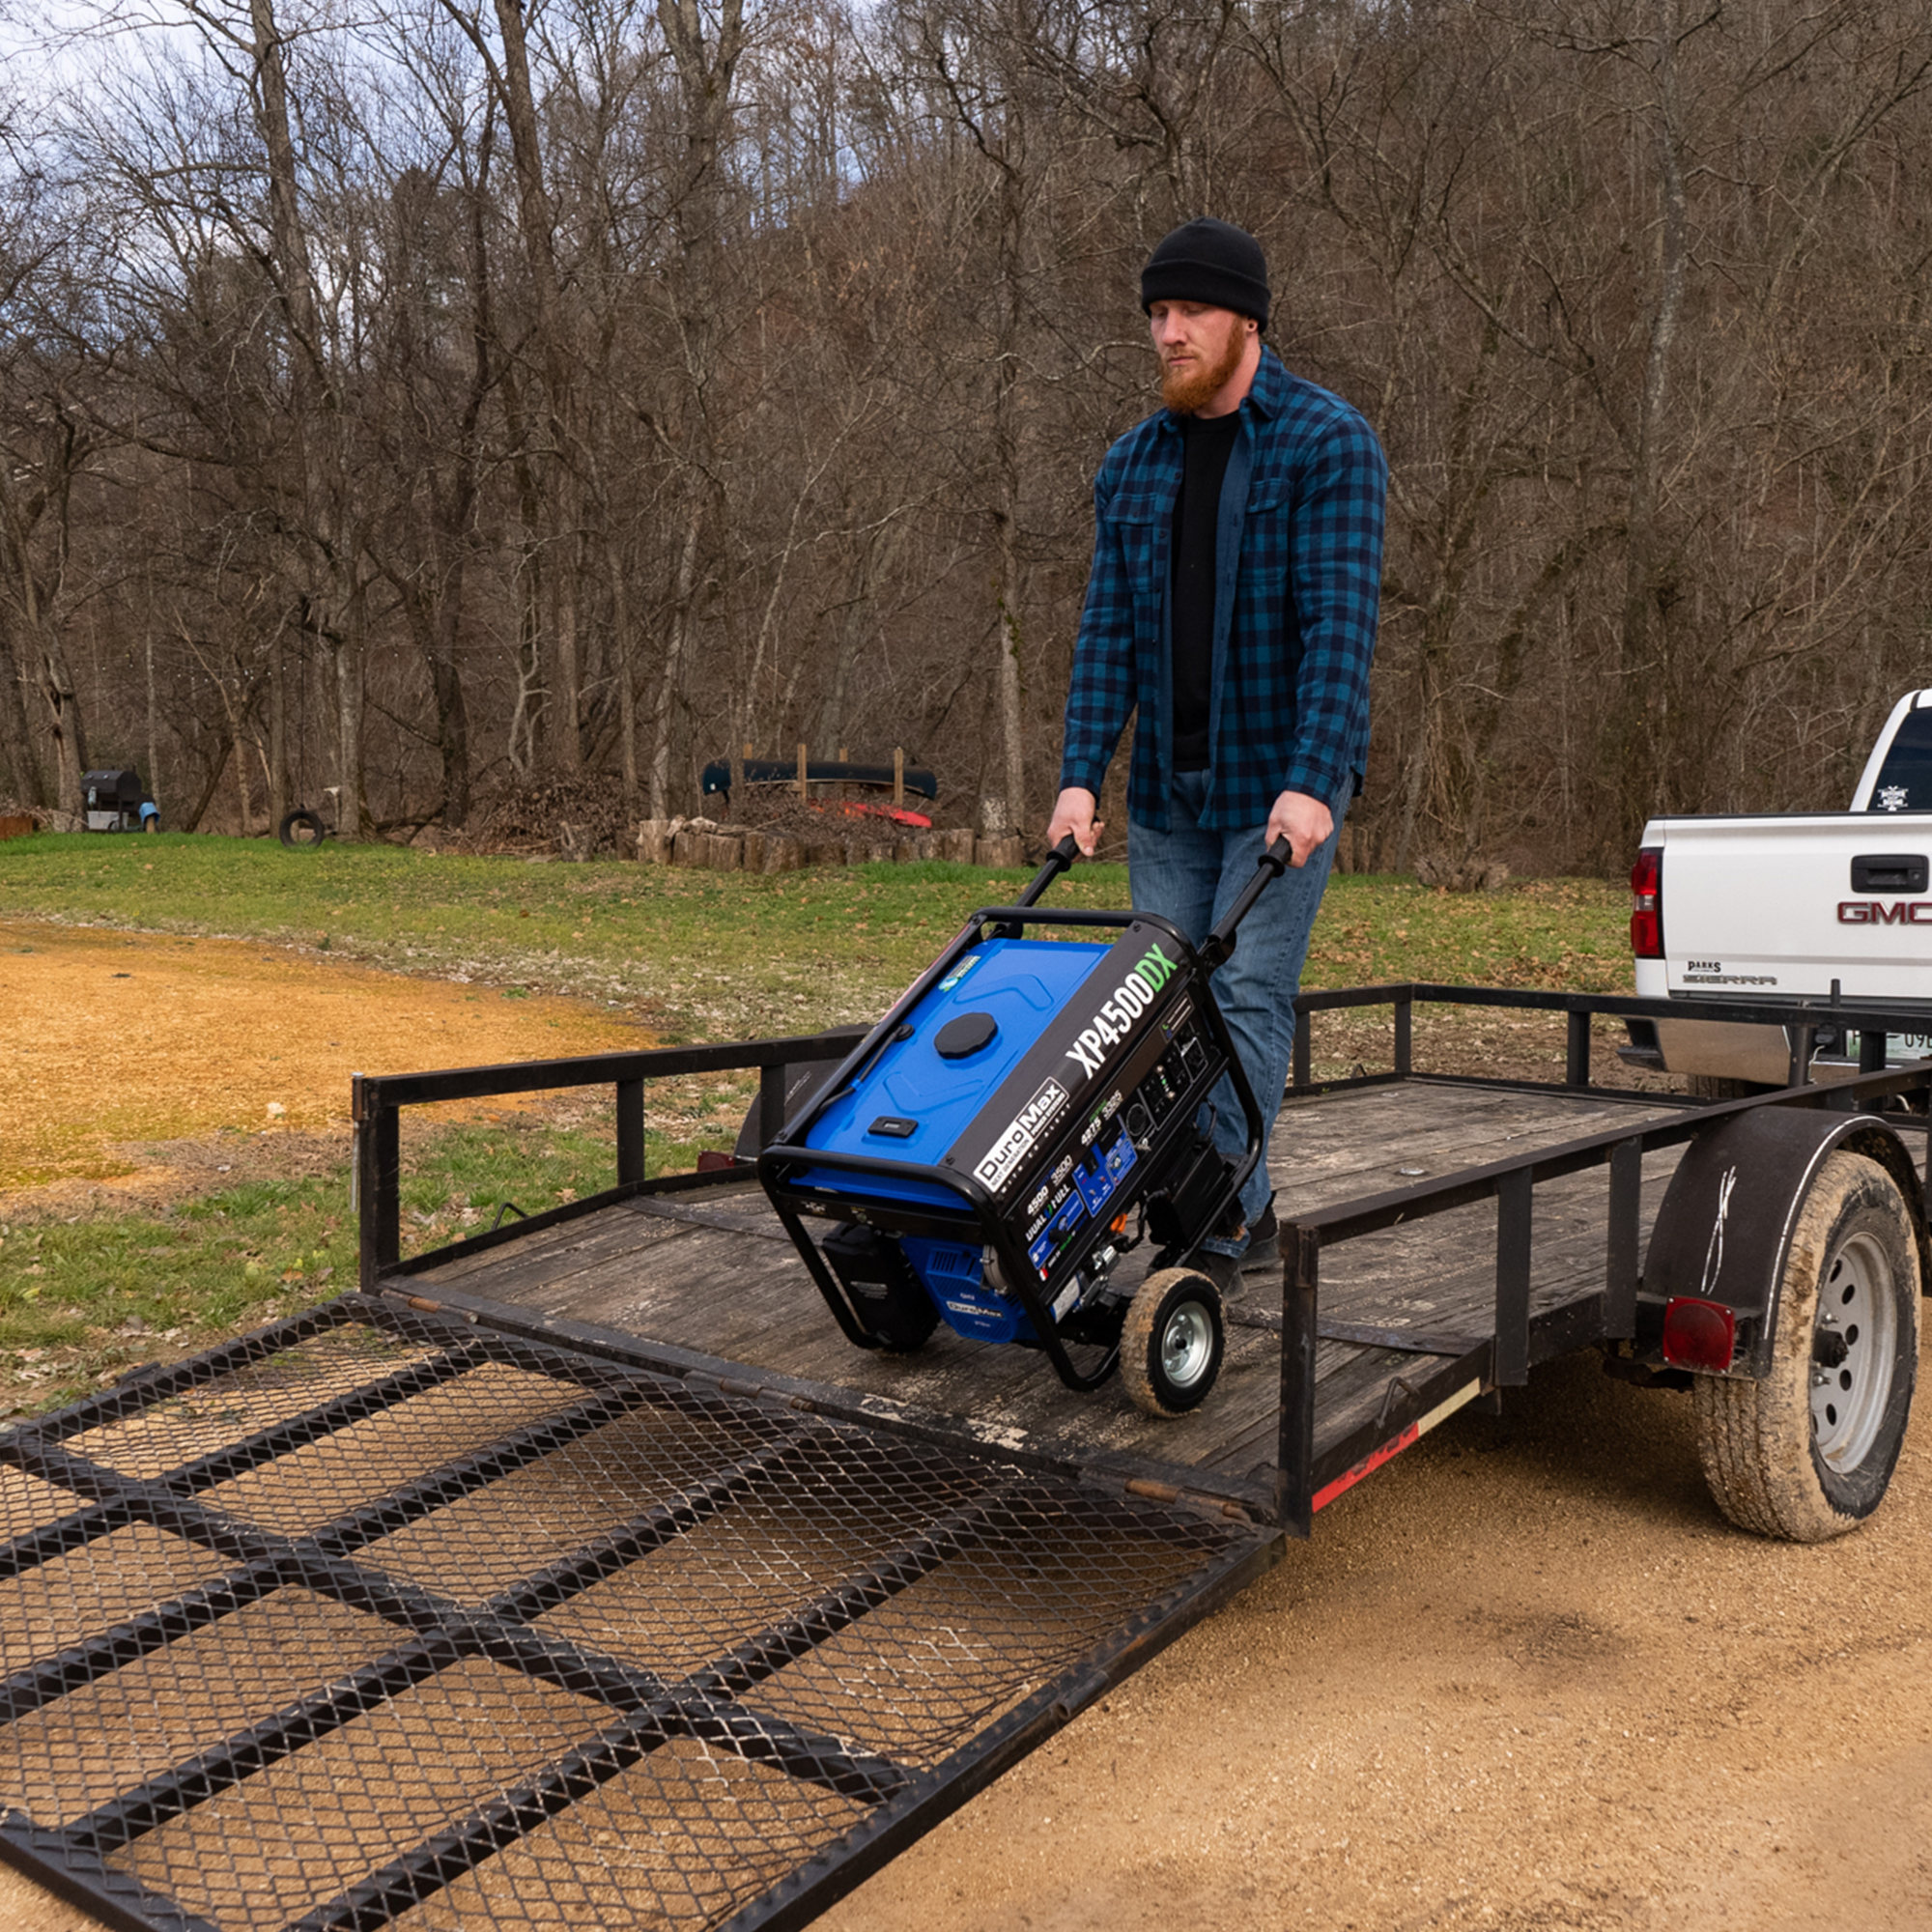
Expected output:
(1208, 441)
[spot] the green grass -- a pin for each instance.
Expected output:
(82, 1300)
(708, 956)
(1548, 933)
(693, 954)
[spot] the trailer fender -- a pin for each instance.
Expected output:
(1724, 1228)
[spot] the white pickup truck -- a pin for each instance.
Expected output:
(1832, 906)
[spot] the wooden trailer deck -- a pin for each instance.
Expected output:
(712, 1275)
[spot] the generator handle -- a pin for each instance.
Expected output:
(1268, 867)
(1060, 859)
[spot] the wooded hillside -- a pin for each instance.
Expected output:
(430, 397)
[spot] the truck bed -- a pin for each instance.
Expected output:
(711, 1280)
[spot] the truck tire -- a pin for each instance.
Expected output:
(302, 827)
(1807, 1452)
(1171, 1341)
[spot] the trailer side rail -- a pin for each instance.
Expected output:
(1802, 1019)
(379, 1100)
(1302, 1482)
(1504, 1360)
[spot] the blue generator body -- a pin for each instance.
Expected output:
(1040, 1102)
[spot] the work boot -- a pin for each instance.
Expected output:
(1262, 1255)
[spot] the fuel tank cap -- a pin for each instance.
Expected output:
(967, 1033)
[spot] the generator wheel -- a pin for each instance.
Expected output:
(302, 827)
(1809, 1451)
(1172, 1341)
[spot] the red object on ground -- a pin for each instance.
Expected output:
(854, 808)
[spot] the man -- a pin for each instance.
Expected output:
(1233, 601)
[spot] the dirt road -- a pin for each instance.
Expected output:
(1525, 1678)
(114, 1038)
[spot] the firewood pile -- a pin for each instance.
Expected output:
(583, 818)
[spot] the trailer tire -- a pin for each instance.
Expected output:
(1171, 1342)
(1723, 1087)
(1807, 1452)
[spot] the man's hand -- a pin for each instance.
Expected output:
(1303, 821)
(1073, 811)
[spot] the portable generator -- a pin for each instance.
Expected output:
(1036, 1105)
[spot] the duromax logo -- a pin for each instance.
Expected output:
(1130, 998)
(1017, 1137)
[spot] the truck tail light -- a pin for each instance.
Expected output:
(1701, 1335)
(1647, 903)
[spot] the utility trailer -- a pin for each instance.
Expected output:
(582, 1572)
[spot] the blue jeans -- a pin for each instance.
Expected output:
(1192, 876)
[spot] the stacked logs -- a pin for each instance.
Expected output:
(708, 845)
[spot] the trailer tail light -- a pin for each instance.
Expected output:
(1647, 903)
(1699, 1335)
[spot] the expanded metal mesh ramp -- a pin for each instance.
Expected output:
(381, 1618)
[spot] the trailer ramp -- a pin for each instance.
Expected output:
(382, 1618)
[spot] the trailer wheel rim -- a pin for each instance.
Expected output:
(1187, 1345)
(1849, 1400)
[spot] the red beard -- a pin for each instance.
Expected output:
(1186, 394)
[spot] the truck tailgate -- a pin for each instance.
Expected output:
(1788, 905)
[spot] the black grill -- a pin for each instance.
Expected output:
(382, 1618)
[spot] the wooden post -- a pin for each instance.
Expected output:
(899, 778)
(801, 772)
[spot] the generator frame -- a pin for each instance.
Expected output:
(981, 1220)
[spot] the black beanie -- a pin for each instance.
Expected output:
(1212, 261)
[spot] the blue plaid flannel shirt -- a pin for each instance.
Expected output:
(1297, 582)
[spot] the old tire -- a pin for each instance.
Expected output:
(300, 827)
(1171, 1342)
(1807, 1452)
